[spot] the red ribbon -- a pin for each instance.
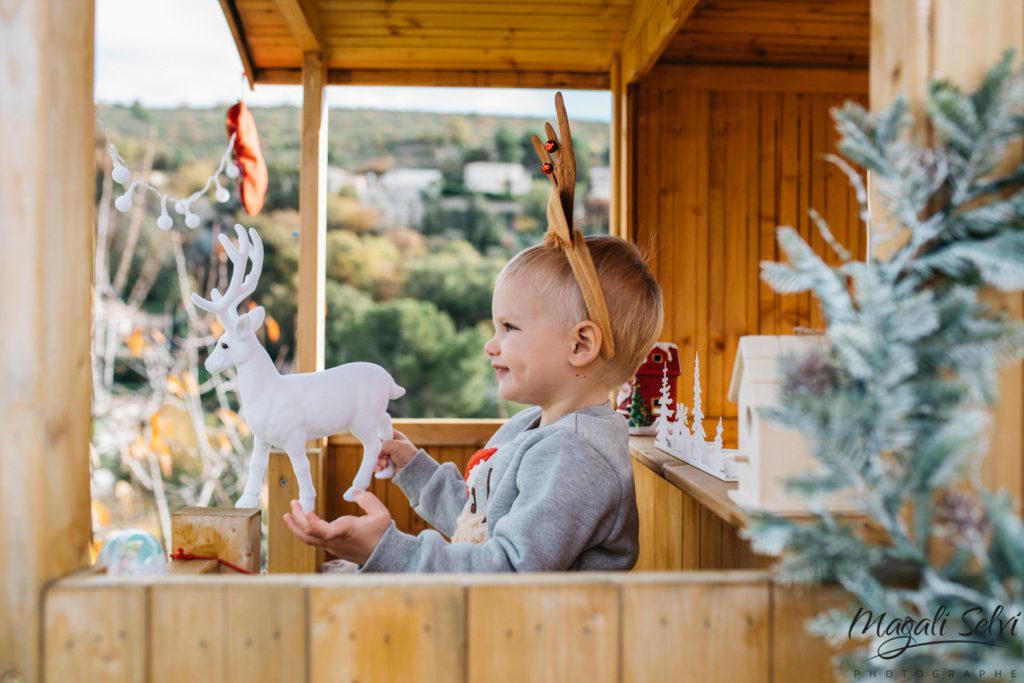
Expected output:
(182, 555)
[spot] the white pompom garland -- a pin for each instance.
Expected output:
(122, 175)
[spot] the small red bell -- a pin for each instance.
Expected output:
(551, 146)
(547, 168)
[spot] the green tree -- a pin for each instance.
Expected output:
(370, 263)
(458, 280)
(483, 228)
(445, 372)
(507, 146)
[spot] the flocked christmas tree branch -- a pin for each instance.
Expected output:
(897, 411)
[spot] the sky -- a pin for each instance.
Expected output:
(167, 53)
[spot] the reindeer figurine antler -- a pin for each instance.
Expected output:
(561, 169)
(286, 411)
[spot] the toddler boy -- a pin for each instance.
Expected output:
(553, 489)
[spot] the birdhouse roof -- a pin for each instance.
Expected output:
(757, 356)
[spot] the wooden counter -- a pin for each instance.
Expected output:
(687, 520)
(707, 490)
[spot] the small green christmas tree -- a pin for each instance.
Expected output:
(639, 414)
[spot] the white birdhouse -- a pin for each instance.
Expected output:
(774, 453)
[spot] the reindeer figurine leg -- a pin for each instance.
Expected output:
(386, 432)
(296, 450)
(368, 433)
(257, 470)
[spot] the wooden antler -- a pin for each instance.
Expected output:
(225, 305)
(561, 169)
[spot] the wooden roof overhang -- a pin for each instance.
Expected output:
(582, 44)
(572, 44)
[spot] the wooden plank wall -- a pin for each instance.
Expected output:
(447, 441)
(679, 533)
(47, 180)
(735, 627)
(722, 156)
(910, 43)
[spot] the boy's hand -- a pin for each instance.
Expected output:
(398, 450)
(348, 538)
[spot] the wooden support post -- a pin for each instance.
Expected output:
(47, 179)
(910, 43)
(285, 553)
(231, 534)
(616, 224)
(312, 216)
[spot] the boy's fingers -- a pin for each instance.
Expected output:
(289, 522)
(341, 527)
(299, 517)
(399, 436)
(370, 503)
(316, 526)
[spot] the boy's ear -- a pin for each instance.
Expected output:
(586, 343)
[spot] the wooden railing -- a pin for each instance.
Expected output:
(682, 626)
(446, 440)
(686, 519)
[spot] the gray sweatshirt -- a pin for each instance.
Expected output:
(561, 497)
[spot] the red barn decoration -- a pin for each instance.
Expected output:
(649, 374)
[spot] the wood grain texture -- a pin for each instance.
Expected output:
(266, 639)
(188, 632)
(702, 633)
(768, 32)
(545, 633)
(722, 167)
(96, 634)
(227, 533)
(613, 626)
(911, 43)
(446, 78)
(651, 26)
(413, 633)
(309, 353)
(47, 179)
(438, 38)
(285, 553)
(303, 20)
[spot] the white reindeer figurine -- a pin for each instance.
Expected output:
(288, 410)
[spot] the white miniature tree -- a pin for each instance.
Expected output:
(698, 412)
(662, 425)
(718, 434)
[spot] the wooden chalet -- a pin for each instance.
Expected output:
(720, 121)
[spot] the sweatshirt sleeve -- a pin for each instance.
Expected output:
(569, 501)
(436, 492)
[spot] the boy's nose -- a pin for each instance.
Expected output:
(491, 346)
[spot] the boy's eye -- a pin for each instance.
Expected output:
(510, 326)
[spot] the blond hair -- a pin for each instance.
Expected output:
(632, 295)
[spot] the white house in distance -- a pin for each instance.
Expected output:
(496, 177)
(600, 184)
(398, 194)
(339, 179)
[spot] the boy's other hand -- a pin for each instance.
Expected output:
(398, 450)
(349, 537)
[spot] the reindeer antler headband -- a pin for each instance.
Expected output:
(559, 164)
